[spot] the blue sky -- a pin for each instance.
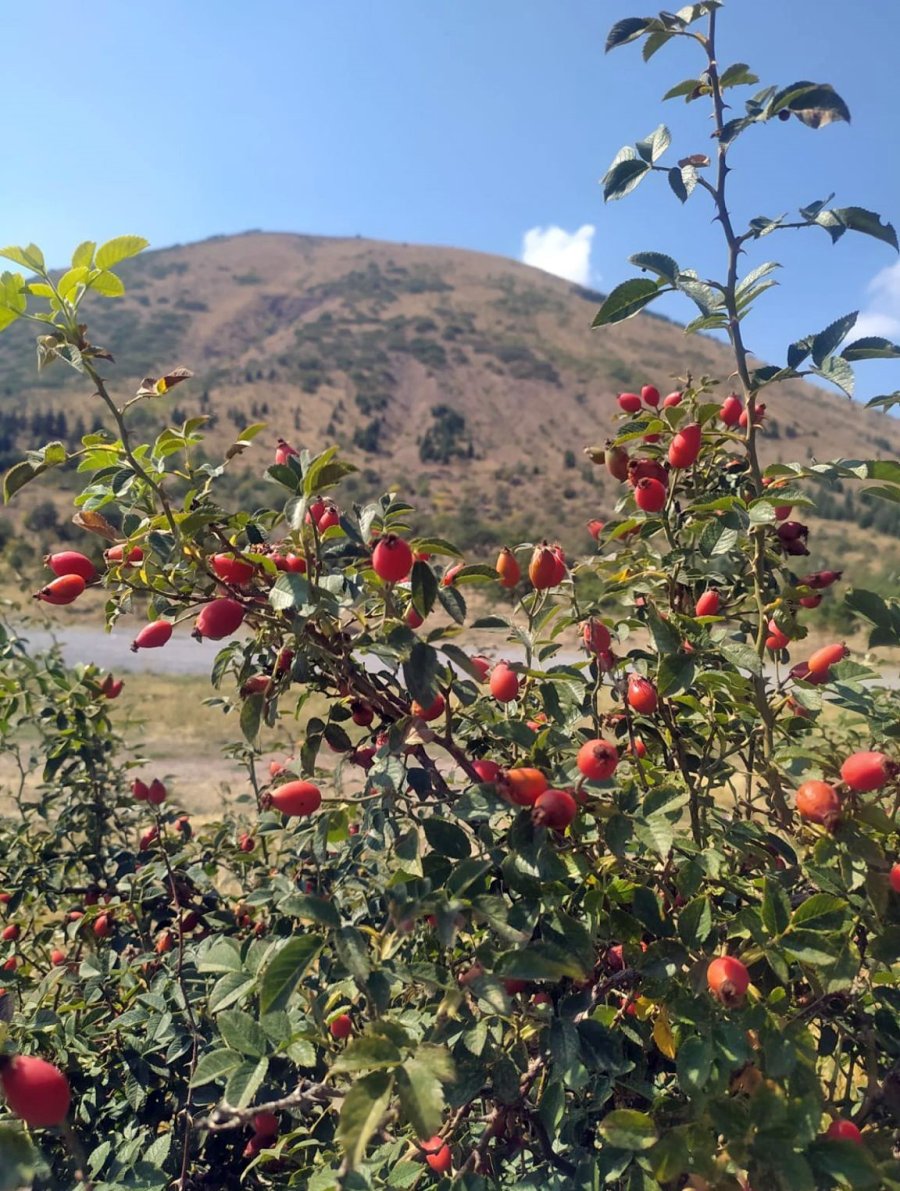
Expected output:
(461, 122)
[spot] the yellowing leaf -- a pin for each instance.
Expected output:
(662, 1034)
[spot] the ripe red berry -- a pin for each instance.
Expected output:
(103, 926)
(57, 957)
(894, 878)
(707, 604)
(543, 570)
(116, 554)
(790, 531)
(449, 576)
(482, 666)
(431, 712)
(437, 1154)
(685, 446)
(508, 568)
(810, 601)
(265, 1124)
(863, 772)
(36, 1091)
(821, 661)
(524, 785)
(640, 749)
(218, 619)
(297, 798)
(231, 569)
(650, 395)
(504, 683)
(776, 639)
(361, 714)
(819, 580)
(843, 1130)
(759, 416)
(140, 790)
(156, 794)
(111, 687)
(617, 462)
(642, 695)
(728, 980)
(672, 399)
(246, 842)
(70, 562)
(330, 516)
(555, 809)
(283, 451)
(596, 636)
(629, 402)
(152, 635)
(597, 760)
(63, 590)
(413, 618)
(10, 933)
(560, 557)
(650, 495)
(488, 771)
(818, 802)
(341, 1026)
(595, 528)
(652, 469)
(392, 559)
(732, 408)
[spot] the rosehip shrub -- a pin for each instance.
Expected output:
(626, 915)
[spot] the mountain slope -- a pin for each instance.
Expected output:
(470, 381)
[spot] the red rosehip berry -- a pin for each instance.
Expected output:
(728, 980)
(650, 495)
(152, 635)
(296, 799)
(392, 558)
(597, 760)
(818, 802)
(36, 1091)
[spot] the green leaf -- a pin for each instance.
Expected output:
(70, 281)
(622, 177)
(539, 961)
(83, 256)
(16, 478)
(738, 74)
(314, 909)
(816, 104)
(222, 956)
(776, 908)
(656, 262)
(30, 258)
(353, 952)
(627, 30)
(453, 603)
(695, 922)
(871, 347)
(847, 1161)
(837, 371)
(251, 716)
(694, 1063)
(447, 839)
(821, 912)
(628, 1129)
(627, 300)
(675, 674)
(284, 970)
(885, 400)
(118, 249)
(826, 341)
(367, 1053)
(245, 1081)
(289, 591)
(214, 1064)
(707, 299)
(686, 88)
(17, 1159)
(107, 284)
(420, 673)
(241, 1033)
(856, 219)
(363, 1111)
(421, 1096)
(424, 587)
(652, 147)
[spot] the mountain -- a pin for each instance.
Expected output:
(469, 381)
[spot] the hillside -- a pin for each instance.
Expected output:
(470, 381)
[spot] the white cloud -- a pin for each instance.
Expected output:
(565, 254)
(882, 314)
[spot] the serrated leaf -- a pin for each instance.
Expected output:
(695, 922)
(694, 1063)
(628, 1129)
(363, 1110)
(421, 1096)
(107, 284)
(626, 30)
(240, 1032)
(738, 74)
(856, 219)
(656, 262)
(420, 673)
(837, 371)
(283, 972)
(118, 249)
(821, 912)
(686, 88)
(83, 255)
(652, 147)
(367, 1053)
(251, 716)
(826, 341)
(871, 347)
(214, 1064)
(622, 178)
(30, 257)
(776, 907)
(245, 1081)
(627, 300)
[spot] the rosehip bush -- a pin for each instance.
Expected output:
(616, 906)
